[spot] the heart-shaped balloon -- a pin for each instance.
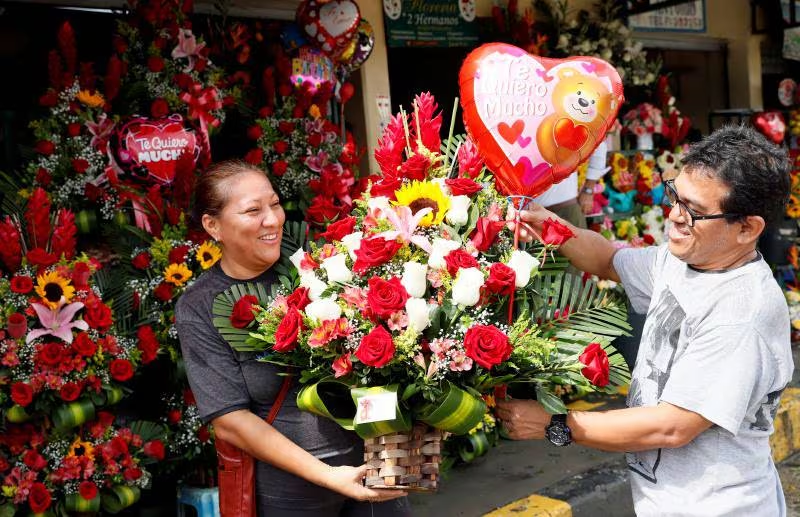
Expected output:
(771, 125)
(154, 149)
(330, 25)
(512, 99)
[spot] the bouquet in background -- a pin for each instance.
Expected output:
(643, 119)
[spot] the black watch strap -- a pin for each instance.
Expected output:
(558, 432)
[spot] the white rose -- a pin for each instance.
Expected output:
(337, 269)
(378, 203)
(323, 310)
(315, 285)
(352, 242)
(441, 247)
(418, 314)
(523, 263)
(459, 210)
(467, 286)
(414, 278)
(297, 258)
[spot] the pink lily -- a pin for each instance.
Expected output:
(405, 223)
(101, 131)
(188, 48)
(57, 322)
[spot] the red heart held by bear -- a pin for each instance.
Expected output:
(569, 135)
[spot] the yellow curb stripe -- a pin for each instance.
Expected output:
(534, 506)
(785, 441)
(582, 405)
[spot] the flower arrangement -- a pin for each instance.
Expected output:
(189, 441)
(99, 465)
(793, 206)
(419, 294)
(643, 119)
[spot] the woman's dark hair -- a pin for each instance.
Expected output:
(211, 193)
(755, 170)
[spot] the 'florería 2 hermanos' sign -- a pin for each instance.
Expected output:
(430, 23)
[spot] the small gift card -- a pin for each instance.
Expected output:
(376, 407)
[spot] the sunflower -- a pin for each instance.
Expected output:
(80, 448)
(177, 274)
(424, 194)
(90, 99)
(52, 287)
(208, 254)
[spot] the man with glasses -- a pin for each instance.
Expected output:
(715, 353)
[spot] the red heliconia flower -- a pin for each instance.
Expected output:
(11, 250)
(87, 77)
(54, 71)
(392, 144)
(37, 216)
(113, 78)
(64, 240)
(428, 121)
(470, 162)
(67, 47)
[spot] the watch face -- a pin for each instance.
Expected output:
(559, 435)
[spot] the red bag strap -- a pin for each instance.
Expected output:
(276, 406)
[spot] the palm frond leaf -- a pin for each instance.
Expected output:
(10, 202)
(223, 308)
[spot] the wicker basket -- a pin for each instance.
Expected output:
(407, 461)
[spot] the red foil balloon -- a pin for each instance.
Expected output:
(331, 25)
(534, 119)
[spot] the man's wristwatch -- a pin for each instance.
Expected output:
(558, 432)
(587, 190)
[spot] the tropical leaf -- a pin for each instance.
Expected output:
(222, 309)
(10, 202)
(451, 152)
(148, 430)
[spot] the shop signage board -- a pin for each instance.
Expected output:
(686, 17)
(430, 23)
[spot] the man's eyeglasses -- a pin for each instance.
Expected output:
(690, 216)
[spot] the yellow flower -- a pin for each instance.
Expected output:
(51, 287)
(314, 111)
(81, 448)
(90, 99)
(208, 254)
(424, 194)
(177, 274)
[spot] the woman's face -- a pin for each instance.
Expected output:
(249, 227)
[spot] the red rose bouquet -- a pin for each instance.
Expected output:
(417, 303)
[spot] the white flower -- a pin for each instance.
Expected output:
(352, 242)
(467, 286)
(337, 269)
(418, 314)
(523, 263)
(459, 210)
(441, 247)
(323, 310)
(380, 203)
(414, 278)
(315, 285)
(297, 258)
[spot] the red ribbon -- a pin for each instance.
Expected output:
(202, 101)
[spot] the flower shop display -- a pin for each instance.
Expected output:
(407, 311)
(643, 121)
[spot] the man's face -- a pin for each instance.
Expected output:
(710, 243)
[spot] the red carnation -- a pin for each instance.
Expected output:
(255, 132)
(459, 259)
(21, 284)
(178, 254)
(154, 449)
(287, 332)
(21, 393)
(70, 391)
(159, 108)
(163, 292)
(463, 186)
(121, 369)
(155, 64)
(299, 298)
(45, 147)
(87, 490)
(80, 165)
(374, 252)
(555, 233)
(501, 279)
(376, 348)
(279, 168)
(242, 314)
(39, 498)
(596, 361)
(141, 260)
(487, 345)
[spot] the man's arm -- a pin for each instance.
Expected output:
(588, 251)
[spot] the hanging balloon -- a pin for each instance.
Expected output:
(362, 45)
(292, 38)
(154, 149)
(771, 124)
(534, 119)
(330, 26)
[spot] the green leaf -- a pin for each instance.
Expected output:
(552, 404)
(149, 430)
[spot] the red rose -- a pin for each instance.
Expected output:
(80, 165)
(70, 391)
(648, 239)
(463, 186)
(376, 348)
(183, 81)
(336, 231)
(132, 473)
(279, 168)
(21, 284)
(487, 345)
(287, 332)
(415, 168)
(501, 279)
(49, 99)
(385, 297)
(254, 132)
(141, 260)
(147, 343)
(596, 361)
(374, 252)
(45, 147)
(159, 108)
(385, 187)
(163, 292)
(458, 259)
(485, 233)
(4, 465)
(121, 369)
(174, 416)
(43, 177)
(83, 345)
(39, 498)
(314, 139)
(80, 275)
(92, 192)
(154, 449)
(554, 233)
(97, 314)
(155, 64)
(87, 490)
(178, 254)
(73, 129)
(281, 146)
(298, 299)
(254, 156)
(40, 258)
(34, 460)
(51, 354)
(322, 210)
(285, 127)
(203, 434)
(242, 314)
(342, 366)
(17, 325)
